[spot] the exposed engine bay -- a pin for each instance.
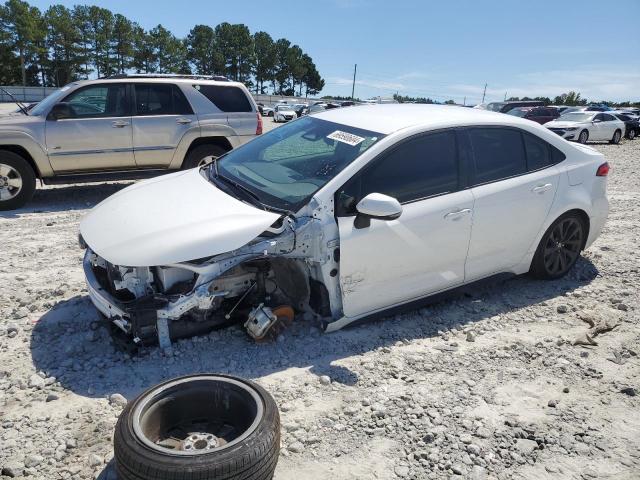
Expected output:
(261, 285)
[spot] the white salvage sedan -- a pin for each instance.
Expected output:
(348, 214)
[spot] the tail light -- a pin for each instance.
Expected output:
(259, 127)
(603, 170)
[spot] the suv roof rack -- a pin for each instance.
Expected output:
(219, 78)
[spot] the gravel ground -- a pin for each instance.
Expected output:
(483, 386)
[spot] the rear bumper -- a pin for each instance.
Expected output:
(597, 220)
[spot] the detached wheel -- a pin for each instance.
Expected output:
(583, 137)
(559, 248)
(17, 181)
(199, 427)
(616, 137)
(202, 155)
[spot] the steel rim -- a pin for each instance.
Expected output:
(207, 160)
(10, 182)
(197, 415)
(563, 246)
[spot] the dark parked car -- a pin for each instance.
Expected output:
(504, 107)
(541, 115)
(632, 126)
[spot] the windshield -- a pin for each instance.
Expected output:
(285, 167)
(517, 112)
(495, 106)
(284, 107)
(45, 105)
(576, 117)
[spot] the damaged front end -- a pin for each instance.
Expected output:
(283, 270)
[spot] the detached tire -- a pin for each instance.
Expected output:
(199, 427)
(17, 181)
(202, 155)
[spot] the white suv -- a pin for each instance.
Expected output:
(122, 127)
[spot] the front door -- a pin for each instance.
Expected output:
(423, 251)
(514, 186)
(96, 135)
(162, 116)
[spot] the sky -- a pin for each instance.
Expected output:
(446, 49)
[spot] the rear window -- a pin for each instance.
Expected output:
(226, 98)
(498, 153)
(160, 99)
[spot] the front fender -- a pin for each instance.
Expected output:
(32, 146)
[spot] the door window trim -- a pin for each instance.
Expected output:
(472, 154)
(461, 163)
(127, 102)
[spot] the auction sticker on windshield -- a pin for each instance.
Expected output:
(344, 137)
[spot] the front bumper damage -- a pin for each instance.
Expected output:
(260, 285)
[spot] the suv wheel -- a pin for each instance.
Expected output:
(559, 248)
(17, 181)
(202, 155)
(196, 427)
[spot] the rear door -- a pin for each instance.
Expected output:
(97, 133)
(514, 183)
(162, 115)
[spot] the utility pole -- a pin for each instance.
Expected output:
(464, 102)
(484, 93)
(505, 96)
(353, 87)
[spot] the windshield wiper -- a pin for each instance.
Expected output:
(247, 192)
(21, 106)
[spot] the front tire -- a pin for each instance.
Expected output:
(559, 248)
(17, 181)
(617, 135)
(202, 155)
(196, 427)
(583, 137)
(632, 134)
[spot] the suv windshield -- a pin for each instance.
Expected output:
(577, 117)
(517, 112)
(285, 167)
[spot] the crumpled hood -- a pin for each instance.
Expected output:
(170, 219)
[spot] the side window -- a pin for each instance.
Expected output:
(106, 100)
(226, 98)
(416, 169)
(607, 117)
(160, 99)
(498, 153)
(600, 117)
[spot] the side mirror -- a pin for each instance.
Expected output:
(60, 111)
(596, 120)
(378, 206)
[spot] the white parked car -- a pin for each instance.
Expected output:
(347, 213)
(588, 126)
(284, 113)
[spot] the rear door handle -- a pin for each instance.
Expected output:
(183, 121)
(119, 123)
(541, 188)
(457, 214)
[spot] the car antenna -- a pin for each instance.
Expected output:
(20, 104)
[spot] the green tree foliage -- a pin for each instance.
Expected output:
(62, 45)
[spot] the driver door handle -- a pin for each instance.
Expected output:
(183, 121)
(119, 123)
(541, 188)
(457, 214)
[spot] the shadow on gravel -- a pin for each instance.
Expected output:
(64, 345)
(71, 197)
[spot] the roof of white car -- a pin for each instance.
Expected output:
(388, 118)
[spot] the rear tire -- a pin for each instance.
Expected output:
(617, 135)
(632, 134)
(196, 427)
(559, 248)
(17, 181)
(583, 137)
(202, 155)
